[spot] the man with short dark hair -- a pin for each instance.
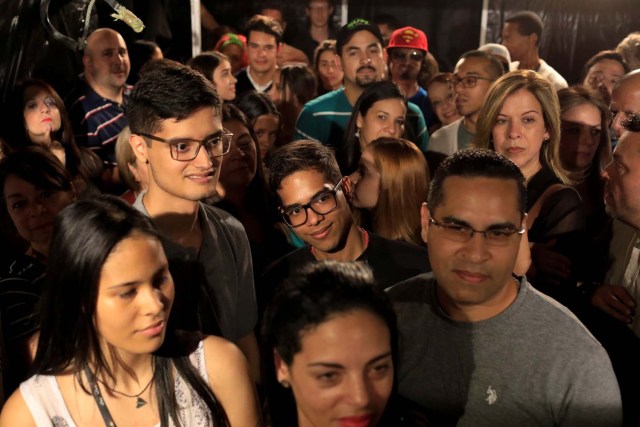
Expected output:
(361, 57)
(472, 77)
(306, 178)
(264, 38)
(407, 51)
(479, 346)
(320, 26)
(521, 34)
(176, 130)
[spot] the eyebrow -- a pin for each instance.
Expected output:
(159, 272)
(339, 366)
(178, 138)
(14, 196)
(285, 207)
(497, 226)
(571, 122)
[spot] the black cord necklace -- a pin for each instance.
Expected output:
(140, 402)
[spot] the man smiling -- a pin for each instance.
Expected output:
(306, 178)
(176, 127)
(480, 347)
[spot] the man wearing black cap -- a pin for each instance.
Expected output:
(407, 51)
(361, 57)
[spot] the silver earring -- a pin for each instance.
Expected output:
(285, 384)
(357, 132)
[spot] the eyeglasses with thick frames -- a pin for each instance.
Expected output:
(322, 204)
(463, 233)
(467, 81)
(414, 56)
(185, 150)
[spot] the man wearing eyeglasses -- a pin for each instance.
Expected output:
(176, 130)
(478, 345)
(472, 77)
(625, 101)
(307, 180)
(406, 51)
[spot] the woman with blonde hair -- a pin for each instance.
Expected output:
(521, 120)
(391, 183)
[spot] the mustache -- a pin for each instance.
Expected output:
(366, 67)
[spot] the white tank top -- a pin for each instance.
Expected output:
(46, 404)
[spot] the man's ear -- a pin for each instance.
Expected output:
(139, 147)
(86, 61)
(424, 221)
(282, 370)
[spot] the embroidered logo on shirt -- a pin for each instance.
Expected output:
(492, 396)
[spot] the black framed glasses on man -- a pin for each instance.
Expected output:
(186, 149)
(322, 203)
(462, 233)
(467, 81)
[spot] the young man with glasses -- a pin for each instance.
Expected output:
(406, 53)
(480, 346)
(306, 178)
(176, 130)
(472, 77)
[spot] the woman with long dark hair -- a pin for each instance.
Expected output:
(107, 353)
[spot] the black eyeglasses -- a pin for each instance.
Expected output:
(324, 203)
(414, 56)
(467, 81)
(185, 150)
(463, 233)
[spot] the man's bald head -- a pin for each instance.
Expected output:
(625, 100)
(106, 63)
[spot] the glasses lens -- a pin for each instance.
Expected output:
(469, 81)
(324, 203)
(499, 237)
(184, 150)
(416, 56)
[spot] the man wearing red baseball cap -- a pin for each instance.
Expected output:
(407, 51)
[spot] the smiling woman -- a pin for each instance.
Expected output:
(107, 352)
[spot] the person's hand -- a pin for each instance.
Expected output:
(523, 262)
(615, 301)
(47, 137)
(555, 266)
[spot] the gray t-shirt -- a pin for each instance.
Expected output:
(214, 287)
(534, 364)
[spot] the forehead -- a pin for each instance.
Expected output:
(199, 124)
(14, 185)
(361, 39)
(390, 105)
(627, 95)
(34, 92)
(327, 55)
(610, 65)
(300, 186)
(629, 148)
(520, 101)
(472, 65)
(261, 38)
(479, 200)
(105, 40)
(584, 112)
(511, 28)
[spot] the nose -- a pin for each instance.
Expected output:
(203, 159)
(233, 79)
(153, 300)
(313, 218)
(514, 130)
(475, 250)
(358, 392)
(605, 172)
(616, 124)
(44, 107)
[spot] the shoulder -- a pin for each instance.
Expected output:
(444, 131)
(415, 289)
(222, 218)
(16, 412)
(322, 103)
(224, 361)
(413, 109)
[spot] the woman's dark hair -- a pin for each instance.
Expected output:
(300, 80)
(140, 52)
(207, 62)
(79, 162)
(255, 104)
(37, 166)
(84, 235)
(349, 154)
(327, 45)
(317, 293)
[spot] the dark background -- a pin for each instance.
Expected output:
(574, 29)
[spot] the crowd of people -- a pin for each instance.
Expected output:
(322, 230)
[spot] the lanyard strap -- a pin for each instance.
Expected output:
(102, 406)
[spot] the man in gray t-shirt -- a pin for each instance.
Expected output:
(479, 346)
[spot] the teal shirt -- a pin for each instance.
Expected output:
(325, 120)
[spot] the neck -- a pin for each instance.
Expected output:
(38, 250)
(262, 78)
(530, 170)
(469, 122)
(531, 61)
(408, 87)
(352, 91)
(319, 33)
(353, 248)
(110, 93)
(131, 372)
(176, 218)
(461, 312)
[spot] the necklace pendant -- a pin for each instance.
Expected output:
(140, 402)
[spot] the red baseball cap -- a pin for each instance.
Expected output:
(409, 38)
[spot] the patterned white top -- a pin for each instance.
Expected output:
(46, 404)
